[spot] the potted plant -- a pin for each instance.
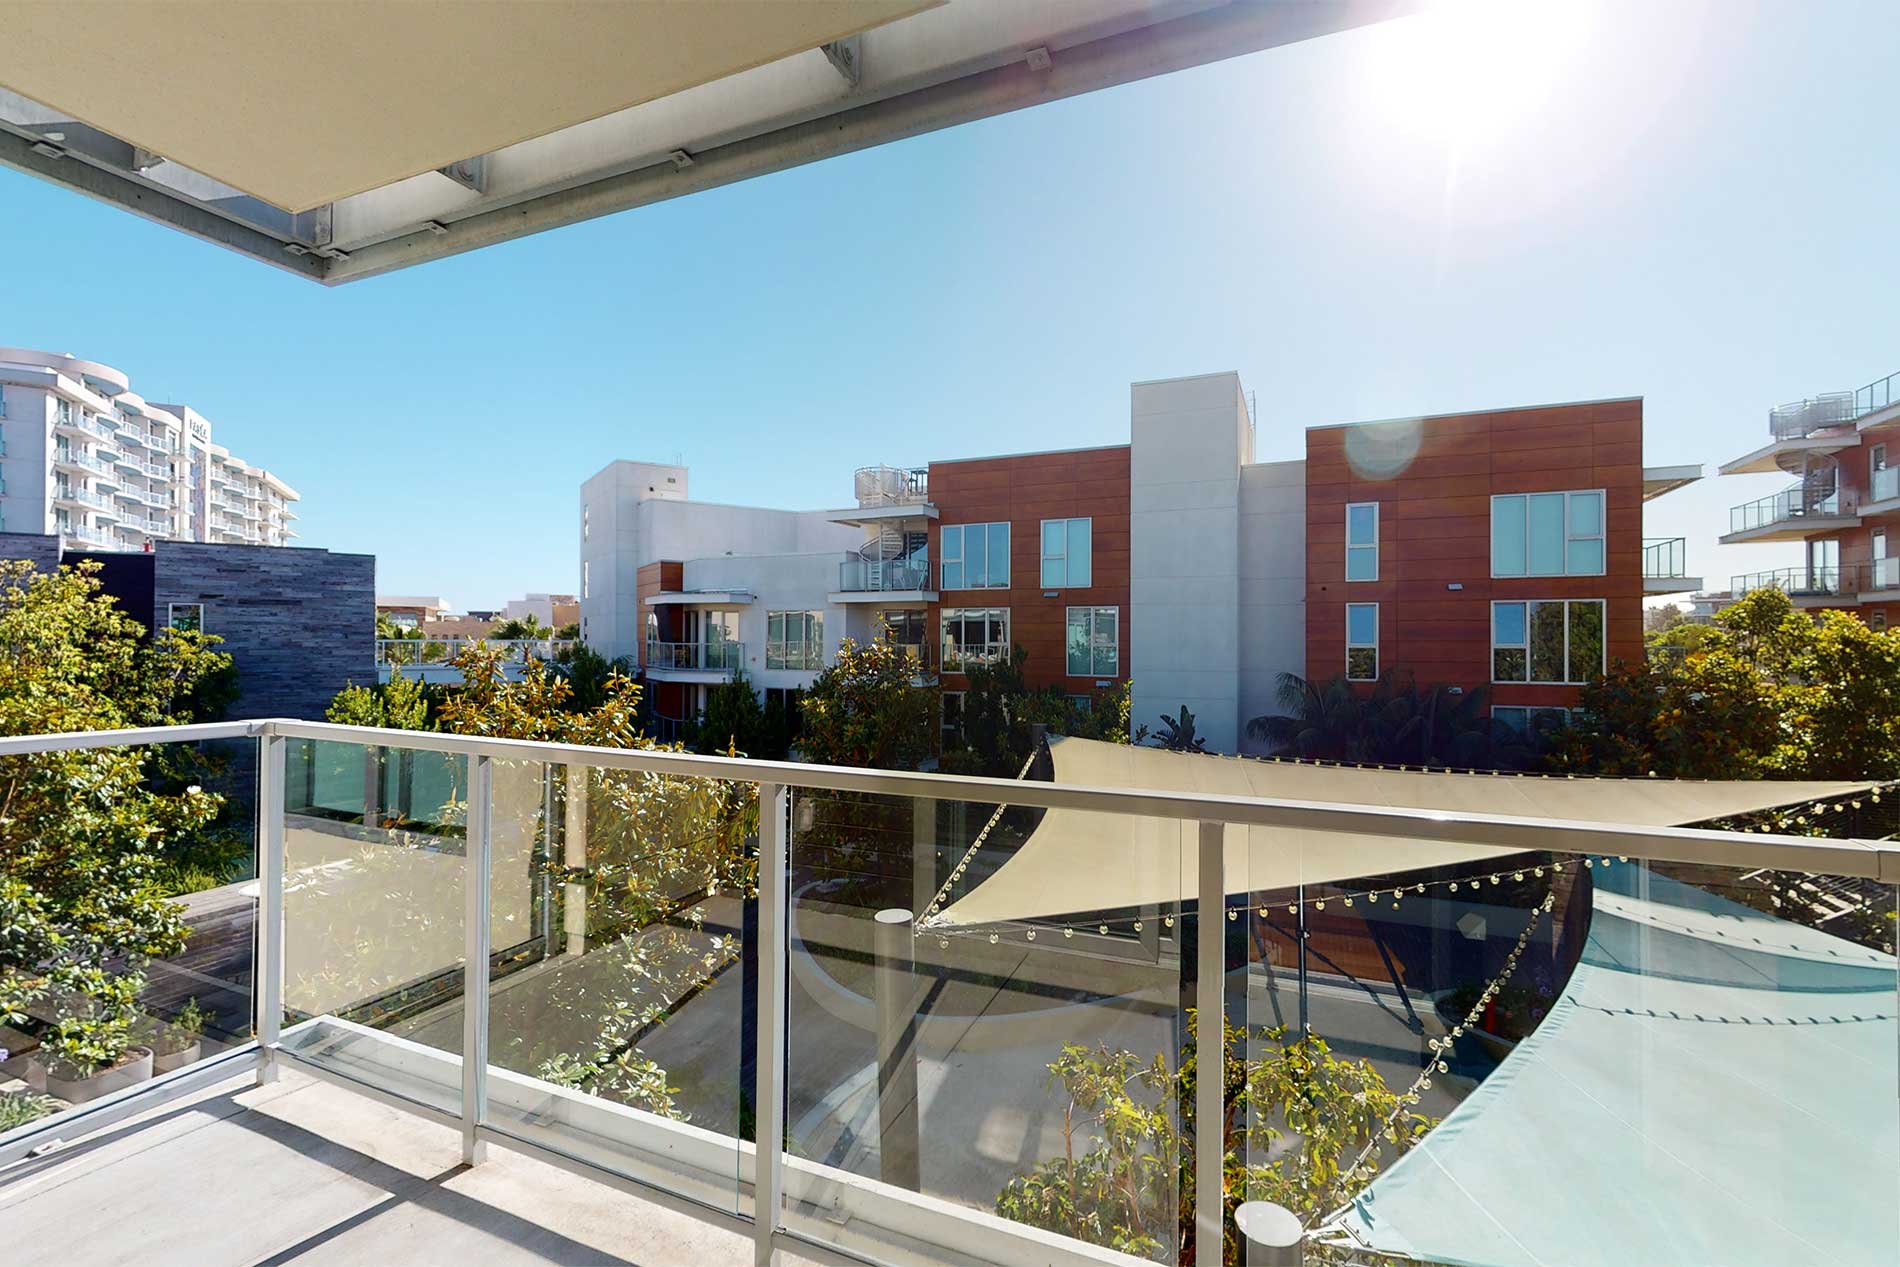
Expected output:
(177, 1042)
(85, 1057)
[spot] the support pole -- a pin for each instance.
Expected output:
(574, 858)
(477, 871)
(1271, 1234)
(769, 1133)
(268, 995)
(923, 852)
(894, 987)
(1210, 1048)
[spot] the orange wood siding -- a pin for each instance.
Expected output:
(1435, 532)
(1024, 491)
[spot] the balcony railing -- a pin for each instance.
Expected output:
(877, 576)
(1799, 502)
(1878, 394)
(890, 486)
(1805, 417)
(716, 657)
(1821, 582)
(1665, 559)
(396, 652)
(631, 962)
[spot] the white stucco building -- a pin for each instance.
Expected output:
(85, 457)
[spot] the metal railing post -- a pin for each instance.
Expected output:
(1210, 1048)
(477, 859)
(268, 994)
(769, 1069)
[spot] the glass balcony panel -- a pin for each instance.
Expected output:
(374, 865)
(624, 984)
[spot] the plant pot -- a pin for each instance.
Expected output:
(165, 1062)
(135, 1068)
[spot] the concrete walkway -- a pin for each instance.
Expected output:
(307, 1173)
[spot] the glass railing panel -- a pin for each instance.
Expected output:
(946, 1052)
(624, 979)
(1513, 1040)
(1885, 484)
(375, 845)
(159, 979)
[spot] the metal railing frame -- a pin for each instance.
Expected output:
(776, 781)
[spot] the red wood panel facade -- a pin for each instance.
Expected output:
(1433, 479)
(669, 698)
(1024, 490)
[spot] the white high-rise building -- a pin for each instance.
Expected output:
(85, 457)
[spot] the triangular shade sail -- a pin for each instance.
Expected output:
(1079, 860)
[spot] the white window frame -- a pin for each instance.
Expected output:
(1352, 646)
(958, 558)
(1094, 614)
(1042, 547)
(1373, 545)
(171, 615)
(1529, 710)
(811, 643)
(1603, 652)
(954, 661)
(1601, 535)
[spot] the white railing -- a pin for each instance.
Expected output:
(697, 657)
(395, 652)
(507, 1108)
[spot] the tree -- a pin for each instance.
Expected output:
(524, 628)
(1000, 708)
(734, 721)
(1394, 722)
(1769, 692)
(86, 836)
(1177, 733)
(570, 631)
(399, 704)
(866, 710)
(1297, 1120)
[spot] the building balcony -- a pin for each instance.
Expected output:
(1808, 587)
(1665, 566)
(79, 460)
(694, 661)
(415, 1041)
(883, 580)
(1790, 515)
(1817, 413)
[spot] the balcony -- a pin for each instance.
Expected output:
(453, 943)
(694, 661)
(883, 580)
(1815, 587)
(1817, 413)
(1790, 515)
(1665, 566)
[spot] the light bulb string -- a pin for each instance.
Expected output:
(956, 872)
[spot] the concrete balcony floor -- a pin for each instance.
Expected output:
(307, 1173)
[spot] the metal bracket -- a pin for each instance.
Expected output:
(847, 58)
(470, 173)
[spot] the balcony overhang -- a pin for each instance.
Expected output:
(700, 598)
(370, 146)
(883, 598)
(1883, 420)
(1769, 459)
(1797, 529)
(859, 516)
(1880, 509)
(1658, 480)
(1671, 584)
(707, 677)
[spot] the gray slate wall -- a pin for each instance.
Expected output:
(39, 549)
(300, 624)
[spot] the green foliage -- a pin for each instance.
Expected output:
(85, 836)
(186, 1027)
(401, 703)
(587, 673)
(1392, 722)
(569, 632)
(524, 627)
(17, 1108)
(1297, 1119)
(1767, 692)
(1177, 733)
(865, 710)
(1000, 708)
(389, 629)
(734, 720)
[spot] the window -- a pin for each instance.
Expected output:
(795, 640)
(586, 588)
(785, 700)
(1547, 534)
(1525, 721)
(1362, 642)
(3, 400)
(952, 714)
(974, 635)
(1877, 619)
(1876, 456)
(1067, 553)
(976, 556)
(1824, 565)
(186, 617)
(1094, 641)
(584, 527)
(1547, 640)
(1362, 541)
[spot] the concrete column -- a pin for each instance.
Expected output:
(1271, 1233)
(893, 984)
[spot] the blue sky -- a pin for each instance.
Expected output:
(1689, 202)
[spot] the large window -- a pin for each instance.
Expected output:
(186, 617)
(795, 640)
(1547, 534)
(1547, 640)
(975, 556)
(1362, 641)
(1526, 721)
(1094, 641)
(1067, 560)
(1362, 541)
(974, 635)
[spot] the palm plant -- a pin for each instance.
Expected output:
(1395, 722)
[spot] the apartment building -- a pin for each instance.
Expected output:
(1838, 511)
(87, 459)
(1501, 550)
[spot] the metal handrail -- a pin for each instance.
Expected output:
(1878, 394)
(717, 657)
(877, 576)
(519, 650)
(1796, 582)
(1798, 502)
(1665, 558)
(1817, 413)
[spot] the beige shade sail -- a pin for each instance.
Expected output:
(1080, 860)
